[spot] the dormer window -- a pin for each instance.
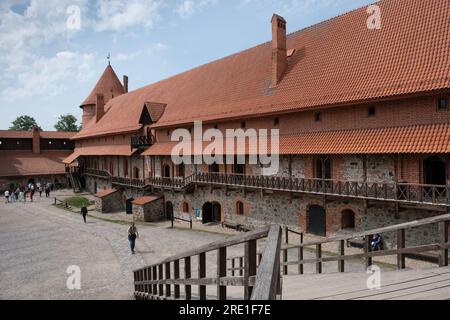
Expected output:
(243, 124)
(442, 104)
(371, 112)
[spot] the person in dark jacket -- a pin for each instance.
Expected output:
(84, 212)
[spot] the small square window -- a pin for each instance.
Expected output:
(276, 121)
(318, 116)
(442, 104)
(216, 126)
(372, 112)
(168, 132)
(243, 124)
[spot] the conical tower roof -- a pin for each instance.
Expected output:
(108, 85)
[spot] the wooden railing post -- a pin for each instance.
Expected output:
(367, 249)
(176, 276)
(233, 266)
(201, 275)
(187, 275)
(341, 263)
(443, 240)
(401, 261)
(300, 256)
(154, 278)
(221, 272)
(285, 259)
(241, 266)
(160, 278)
(250, 267)
(318, 256)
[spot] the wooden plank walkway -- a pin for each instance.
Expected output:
(425, 284)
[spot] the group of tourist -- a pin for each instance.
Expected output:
(21, 193)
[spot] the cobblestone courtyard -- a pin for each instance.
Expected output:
(39, 242)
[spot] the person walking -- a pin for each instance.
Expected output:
(84, 212)
(17, 193)
(132, 236)
(31, 192)
(12, 199)
(6, 196)
(47, 190)
(21, 196)
(40, 191)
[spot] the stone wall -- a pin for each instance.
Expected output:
(278, 207)
(150, 212)
(113, 202)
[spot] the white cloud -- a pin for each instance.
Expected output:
(50, 76)
(187, 8)
(118, 15)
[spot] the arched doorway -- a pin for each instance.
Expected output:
(348, 220)
(129, 206)
(216, 212)
(207, 212)
(435, 172)
(214, 168)
(316, 220)
(169, 210)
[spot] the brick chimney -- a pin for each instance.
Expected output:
(36, 140)
(279, 49)
(125, 84)
(99, 107)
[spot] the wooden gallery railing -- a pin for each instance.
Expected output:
(441, 245)
(259, 283)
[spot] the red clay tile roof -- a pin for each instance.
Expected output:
(25, 163)
(145, 200)
(12, 134)
(410, 139)
(106, 192)
(336, 62)
(106, 150)
(108, 84)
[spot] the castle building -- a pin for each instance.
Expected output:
(33, 156)
(363, 120)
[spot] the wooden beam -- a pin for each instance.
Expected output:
(202, 274)
(443, 239)
(221, 272)
(249, 266)
(401, 245)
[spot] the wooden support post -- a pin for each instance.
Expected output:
(367, 249)
(285, 259)
(250, 267)
(341, 263)
(149, 277)
(160, 278)
(168, 290)
(145, 278)
(187, 275)
(300, 256)
(221, 272)
(154, 278)
(176, 276)
(232, 266)
(259, 258)
(202, 274)
(241, 266)
(443, 237)
(401, 261)
(286, 234)
(318, 256)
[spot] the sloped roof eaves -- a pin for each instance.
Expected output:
(112, 132)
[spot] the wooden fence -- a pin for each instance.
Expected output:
(157, 281)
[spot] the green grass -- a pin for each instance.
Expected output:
(78, 202)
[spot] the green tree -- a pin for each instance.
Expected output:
(67, 123)
(23, 123)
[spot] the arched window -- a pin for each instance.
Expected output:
(111, 168)
(166, 171)
(435, 171)
(125, 167)
(186, 207)
(240, 208)
(180, 170)
(348, 219)
(323, 168)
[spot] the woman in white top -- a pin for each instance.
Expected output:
(6, 196)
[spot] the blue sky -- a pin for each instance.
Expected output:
(48, 68)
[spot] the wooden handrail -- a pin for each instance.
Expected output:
(406, 225)
(268, 281)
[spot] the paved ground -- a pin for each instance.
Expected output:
(38, 242)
